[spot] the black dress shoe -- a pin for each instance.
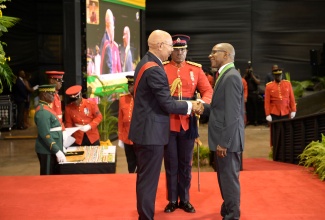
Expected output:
(186, 206)
(171, 206)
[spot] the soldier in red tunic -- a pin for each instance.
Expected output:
(279, 100)
(124, 120)
(85, 114)
(184, 78)
(56, 77)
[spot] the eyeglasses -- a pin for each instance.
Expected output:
(217, 51)
(60, 80)
(167, 44)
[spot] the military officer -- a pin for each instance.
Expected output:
(48, 145)
(56, 78)
(279, 100)
(124, 121)
(85, 114)
(184, 78)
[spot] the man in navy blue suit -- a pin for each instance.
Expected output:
(149, 130)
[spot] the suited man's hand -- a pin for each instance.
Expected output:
(197, 107)
(221, 151)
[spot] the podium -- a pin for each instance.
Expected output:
(94, 160)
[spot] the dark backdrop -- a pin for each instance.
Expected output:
(265, 32)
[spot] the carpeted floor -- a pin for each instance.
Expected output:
(270, 191)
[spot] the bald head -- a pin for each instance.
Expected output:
(230, 50)
(160, 44)
(158, 36)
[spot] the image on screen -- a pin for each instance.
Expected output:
(113, 43)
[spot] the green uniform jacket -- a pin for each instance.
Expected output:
(47, 142)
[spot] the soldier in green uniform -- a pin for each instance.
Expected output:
(49, 142)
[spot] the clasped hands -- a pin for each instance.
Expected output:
(197, 107)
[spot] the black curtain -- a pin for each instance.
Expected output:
(263, 32)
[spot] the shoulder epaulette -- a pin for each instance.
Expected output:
(124, 94)
(286, 80)
(194, 64)
(166, 62)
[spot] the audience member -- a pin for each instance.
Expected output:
(184, 78)
(252, 99)
(124, 120)
(85, 114)
(30, 90)
(279, 100)
(21, 97)
(97, 60)
(226, 127)
(149, 130)
(49, 141)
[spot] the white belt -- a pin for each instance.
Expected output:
(56, 129)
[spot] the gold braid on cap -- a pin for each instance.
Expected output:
(47, 89)
(177, 83)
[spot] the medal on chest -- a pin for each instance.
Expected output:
(86, 111)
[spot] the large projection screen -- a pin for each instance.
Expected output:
(109, 60)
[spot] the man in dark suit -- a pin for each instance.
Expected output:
(226, 127)
(149, 130)
(21, 97)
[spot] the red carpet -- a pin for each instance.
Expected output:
(270, 190)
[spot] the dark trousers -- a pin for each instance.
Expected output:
(86, 142)
(178, 157)
(130, 157)
(228, 178)
(149, 161)
(252, 108)
(20, 114)
(279, 117)
(48, 164)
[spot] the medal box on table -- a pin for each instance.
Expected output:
(89, 160)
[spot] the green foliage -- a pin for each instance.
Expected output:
(108, 125)
(313, 156)
(299, 87)
(204, 153)
(6, 74)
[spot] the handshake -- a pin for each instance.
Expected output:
(197, 107)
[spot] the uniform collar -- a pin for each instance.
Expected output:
(178, 65)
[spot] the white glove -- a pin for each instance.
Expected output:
(85, 128)
(120, 144)
(60, 157)
(292, 114)
(269, 118)
(35, 87)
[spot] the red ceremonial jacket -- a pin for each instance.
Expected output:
(86, 113)
(192, 78)
(279, 98)
(124, 117)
